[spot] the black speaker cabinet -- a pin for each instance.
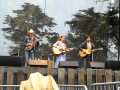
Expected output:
(69, 64)
(97, 65)
(114, 65)
(11, 61)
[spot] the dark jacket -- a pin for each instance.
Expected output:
(84, 45)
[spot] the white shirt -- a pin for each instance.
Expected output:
(89, 45)
(60, 44)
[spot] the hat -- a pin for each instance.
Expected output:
(30, 31)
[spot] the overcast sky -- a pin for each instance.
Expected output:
(60, 10)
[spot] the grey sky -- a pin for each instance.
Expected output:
(60, 10)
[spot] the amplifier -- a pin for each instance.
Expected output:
(98, 65)
(114, 65)
(69, 64)
(11, 61)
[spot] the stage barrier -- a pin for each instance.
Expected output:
(61, 87)
(106, 86)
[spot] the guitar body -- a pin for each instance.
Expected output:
(29, 47)
(85, 52)
(56, 50)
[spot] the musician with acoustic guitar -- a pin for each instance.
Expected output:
(31, 41)
(59, 50)
(86, 51)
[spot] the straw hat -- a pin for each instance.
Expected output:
(30, 31)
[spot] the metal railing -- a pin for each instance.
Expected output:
(106, 86)
(72, 87)
(61, 87)
(5, 87)
(95, 86)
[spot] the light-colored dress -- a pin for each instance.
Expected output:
(62, 56)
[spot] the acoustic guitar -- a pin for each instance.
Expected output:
(58, 50)
(31, 45)
(85, 52)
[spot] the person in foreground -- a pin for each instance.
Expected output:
(37, 81)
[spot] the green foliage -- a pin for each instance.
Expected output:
(113, 22)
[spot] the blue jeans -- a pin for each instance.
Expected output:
(29, 55)
(61, 57)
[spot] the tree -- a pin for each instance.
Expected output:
(30, 16)
(113, 23)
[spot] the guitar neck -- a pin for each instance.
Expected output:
(97, 49)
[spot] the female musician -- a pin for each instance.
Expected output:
(59, 48)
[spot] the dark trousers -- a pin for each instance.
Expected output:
(87, 61)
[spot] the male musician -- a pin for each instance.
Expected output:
(31, 41)
(61, 46)
(88, 45)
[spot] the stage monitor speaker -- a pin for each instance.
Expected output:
(97, 65)
(11, 61)
(114, 65)
(69, 64)
(38, 63)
